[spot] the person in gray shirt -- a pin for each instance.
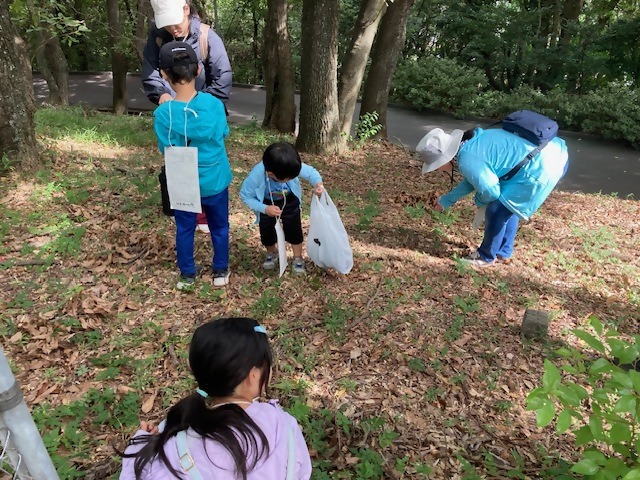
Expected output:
(178, 20)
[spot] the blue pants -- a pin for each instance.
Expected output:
(216, 207)
(500, 228)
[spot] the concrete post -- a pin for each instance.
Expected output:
(25, 438)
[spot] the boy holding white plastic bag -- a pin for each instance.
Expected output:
(272, 190)
(191, 129)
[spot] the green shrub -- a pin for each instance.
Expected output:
(598, 400)
(612, 112)
(438, 83)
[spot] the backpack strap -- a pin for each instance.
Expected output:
(203, 41)
(291, 459)
(532, 154)
(186, 460)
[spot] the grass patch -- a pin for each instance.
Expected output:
(412, 340)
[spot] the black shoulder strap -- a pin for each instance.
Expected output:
(524, 161)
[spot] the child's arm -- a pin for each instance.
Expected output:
(312, 176)
(302, 457)
(248, 191)
(161, 130)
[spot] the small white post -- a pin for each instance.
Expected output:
(25, 438)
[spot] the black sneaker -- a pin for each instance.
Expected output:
(186, 282)
(221, 277)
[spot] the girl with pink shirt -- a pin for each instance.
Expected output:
(221, 430)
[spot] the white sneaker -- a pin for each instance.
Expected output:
(298, 266)
(221, 278)
(203, 227)
(270, 261)
(475, 260)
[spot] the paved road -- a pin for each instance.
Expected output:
(595, 165)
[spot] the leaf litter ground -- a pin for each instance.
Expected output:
(410, 366)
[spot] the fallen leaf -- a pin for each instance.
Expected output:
(148, 403)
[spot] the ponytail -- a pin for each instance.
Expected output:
(229, 425)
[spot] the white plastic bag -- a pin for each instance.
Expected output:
(328, 242)
(282, 246)
(478, 218)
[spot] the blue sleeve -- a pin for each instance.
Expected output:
(161, 131)
(483, 179)
(152, 82)
(248, 191)
(462, 189)
(219, 116)
(218, 74)
(310, 174)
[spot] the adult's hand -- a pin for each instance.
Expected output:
(165, 97)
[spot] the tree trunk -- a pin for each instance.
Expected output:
(355, 62)
(256, 47)
(119, 61)
(143, 13)
(280, 109)
(17, 103)
(570, 17)
(50, 58)
(319, 119)
(59, 69)
(391, 37)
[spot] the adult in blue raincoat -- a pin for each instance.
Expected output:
(484, 158)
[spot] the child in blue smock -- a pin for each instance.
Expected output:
(196, 119)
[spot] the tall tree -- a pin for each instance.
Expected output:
(389, 43)
(355, 62)
(17, 104)
(119, 60)
(319, 118)
(143, 13)
(50, 58)
(280, 109)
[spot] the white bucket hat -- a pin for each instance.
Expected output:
(168, 12)
(438, 148)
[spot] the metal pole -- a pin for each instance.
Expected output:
(24, 434)
(8, 451)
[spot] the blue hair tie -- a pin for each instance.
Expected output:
(202, 393)
(260, 329)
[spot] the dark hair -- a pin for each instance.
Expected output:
(468, 134)
(282, 160)
(181, 73)
(221, 355)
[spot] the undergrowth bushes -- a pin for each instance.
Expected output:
(439, 84)
(612, 111)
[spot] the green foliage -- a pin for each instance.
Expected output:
(54, 16)
(368, 127)
(612, 111)
(597, 400)
(438, 83)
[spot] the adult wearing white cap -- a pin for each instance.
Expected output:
(177, 20)
(488, 162)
